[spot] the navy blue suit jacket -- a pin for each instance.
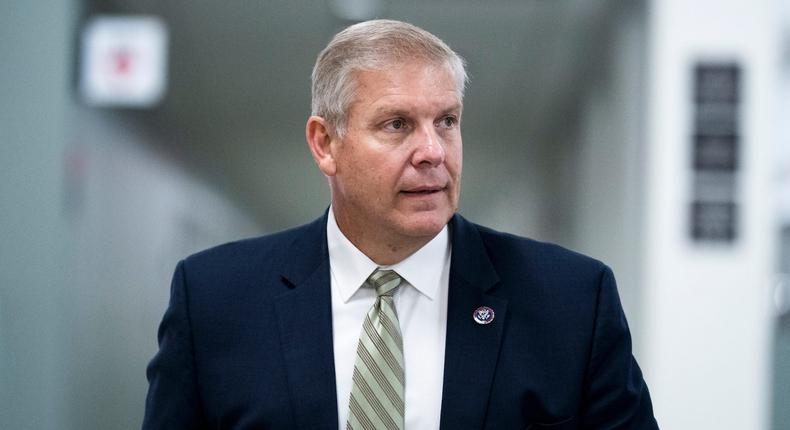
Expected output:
(246, 342)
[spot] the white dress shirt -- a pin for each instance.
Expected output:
(421, 304)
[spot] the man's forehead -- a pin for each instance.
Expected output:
(408, 84)
(399, 69)
(394, 105)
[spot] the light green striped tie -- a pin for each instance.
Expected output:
(377, 394)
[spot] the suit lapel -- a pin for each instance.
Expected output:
(304, 316)
(304, 320)
(472, 349)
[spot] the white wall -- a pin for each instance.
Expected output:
(92, 221)
(607, 164)
(34, 56)
(133, 213)
(707, 309)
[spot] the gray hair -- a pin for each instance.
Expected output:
(373, 45)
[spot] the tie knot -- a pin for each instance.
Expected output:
(384, 281)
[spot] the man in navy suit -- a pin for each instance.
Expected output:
(392, 311)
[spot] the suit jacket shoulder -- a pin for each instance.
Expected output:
(527, 256)
(260, 258)
(239, 343)
(538, 272)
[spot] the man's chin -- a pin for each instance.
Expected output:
(426, 224)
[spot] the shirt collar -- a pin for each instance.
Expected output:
(350, 267)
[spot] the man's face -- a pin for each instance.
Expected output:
(398, 165)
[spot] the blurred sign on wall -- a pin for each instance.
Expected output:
(123, 61)
(715, 142)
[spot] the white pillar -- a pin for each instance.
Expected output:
(34, 90)
(707, 318)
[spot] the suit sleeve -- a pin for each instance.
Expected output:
(173, 401)
(616, 395)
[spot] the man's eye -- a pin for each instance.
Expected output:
(448, 122)
(396, 124)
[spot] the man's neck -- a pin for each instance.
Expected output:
(390, 253)
(382, 249)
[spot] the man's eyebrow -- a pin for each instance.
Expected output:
(457, 107)
(397, 111)
(389, 111)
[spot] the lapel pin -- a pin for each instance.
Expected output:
(483, 315)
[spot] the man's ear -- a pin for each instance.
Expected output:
(319, 140)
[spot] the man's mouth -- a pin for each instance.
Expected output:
(423, 190)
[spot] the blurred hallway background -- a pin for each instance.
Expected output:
(651, 134)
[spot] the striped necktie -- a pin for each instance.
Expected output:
(377, 393)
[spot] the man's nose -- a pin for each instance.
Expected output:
(429, 149)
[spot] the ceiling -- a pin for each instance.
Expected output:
(239, 94)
